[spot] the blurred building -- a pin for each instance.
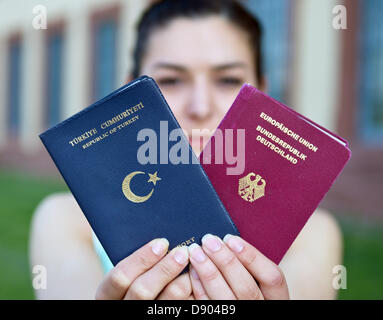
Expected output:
(334, 77)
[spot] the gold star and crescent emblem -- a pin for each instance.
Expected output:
(130, 195)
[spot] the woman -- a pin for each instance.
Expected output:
(200, 53)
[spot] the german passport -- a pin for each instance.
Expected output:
(287, 164)
(133, 173)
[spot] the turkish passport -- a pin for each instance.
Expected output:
(133, 173)
(287, 165)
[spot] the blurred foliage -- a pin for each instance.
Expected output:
(21, 193)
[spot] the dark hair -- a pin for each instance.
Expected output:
(163, 12)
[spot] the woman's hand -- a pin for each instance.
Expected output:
(234, 269)
(148, 273)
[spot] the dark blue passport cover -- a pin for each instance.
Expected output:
(183, 203)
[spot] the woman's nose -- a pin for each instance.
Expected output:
(200, 104)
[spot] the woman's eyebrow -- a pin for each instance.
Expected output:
(230, 65)
(172, 66)
(181, 68)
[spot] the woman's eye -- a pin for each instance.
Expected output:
(230, 81)
(168, 81)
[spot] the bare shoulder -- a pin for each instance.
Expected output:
(308, 264)
(61, 241)
(320, 231)
(60, 211)
(58, 226)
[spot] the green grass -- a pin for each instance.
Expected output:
(363, 259)
(20, 194)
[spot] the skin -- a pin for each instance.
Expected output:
(200, 86)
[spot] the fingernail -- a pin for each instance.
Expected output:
(181, 254)
(159, 246)
(196, 253)
(194, 274)
(234, 243)
(211, 242)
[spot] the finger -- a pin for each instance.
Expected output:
(117, 281)
(179, 289)
(269, 276)
(239, 279)
(199, 292)
(212, 280)
(151, 283)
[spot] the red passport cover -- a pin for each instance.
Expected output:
(290, 163)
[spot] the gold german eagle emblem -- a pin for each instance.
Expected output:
(251, 187)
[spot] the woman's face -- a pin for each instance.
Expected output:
(200, 64)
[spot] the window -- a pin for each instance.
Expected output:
(105, 55)
(55, 43)
(14, 85)
(274, 17)
(371, 71)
